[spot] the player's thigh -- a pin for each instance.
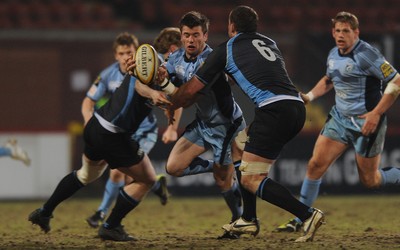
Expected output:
(142, 172)
(182, 154)
(325, 152)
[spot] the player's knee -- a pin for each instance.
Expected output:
(90, 171)
(223, 175)
(173, 171)
(314, 169)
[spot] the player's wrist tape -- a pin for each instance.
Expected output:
(167, 87)
(392, 89)
(310, 96)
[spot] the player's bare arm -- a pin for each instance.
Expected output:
(87, 109)
(158, 97)
(171, 133)
(186, 94)
(390, 95)
(322, 87)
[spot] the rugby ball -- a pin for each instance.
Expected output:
(146, 64)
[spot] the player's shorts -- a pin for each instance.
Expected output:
(147, 133)
(347, 130)
(218, 138)
(117, 149)
(273, 126)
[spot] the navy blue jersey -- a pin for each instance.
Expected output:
(257, 66)
(125, 110)
(105, 85)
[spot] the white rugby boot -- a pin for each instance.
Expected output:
(311, 225)
(241, 226)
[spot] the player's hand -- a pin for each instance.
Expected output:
(161, 75)
(370, 124)
(160, 99)
(305, 97)
(170, 135)
(131, 65)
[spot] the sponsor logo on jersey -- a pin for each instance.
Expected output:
(349, 68)
(386, 69)
(331, 64)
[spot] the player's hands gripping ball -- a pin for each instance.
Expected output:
(147, 64)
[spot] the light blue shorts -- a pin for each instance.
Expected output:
(146, 135)
(218, 138)
(347, 130)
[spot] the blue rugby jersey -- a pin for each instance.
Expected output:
(125, 110)
(105, 85)
(257, 66)
(216, 104)
(358, 78)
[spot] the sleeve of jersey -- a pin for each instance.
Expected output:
(213, 66)
(98, 89)
(373, 63)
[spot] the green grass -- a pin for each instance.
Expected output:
(353, 222)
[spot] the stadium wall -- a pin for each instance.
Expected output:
(50, 155)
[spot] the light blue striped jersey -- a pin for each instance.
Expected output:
(359, 78)
(216, 104)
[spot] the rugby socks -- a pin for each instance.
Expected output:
(249, 199)
(309, 191)
(390, 176)
(110, 194)
(4, 151)
(198, 166)
(123, 206)
(233, 199)
(65, 189)
(280, 196)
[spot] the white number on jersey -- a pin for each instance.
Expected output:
(265, 51)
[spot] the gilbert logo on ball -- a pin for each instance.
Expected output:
(146, 64)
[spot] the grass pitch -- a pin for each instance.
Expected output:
(353, 222)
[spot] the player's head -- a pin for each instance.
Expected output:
(345, 31)
(124, 46)
(346, 17)
(168, 41)
(242, 19)
(194, 33)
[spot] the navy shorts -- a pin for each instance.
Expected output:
(117, 149)
(273, 126)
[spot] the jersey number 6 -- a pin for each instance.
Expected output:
(265, 51)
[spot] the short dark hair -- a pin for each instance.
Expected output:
(125, 38)
(192, 19)
(244, 18)
(167, 37)
(346, 17)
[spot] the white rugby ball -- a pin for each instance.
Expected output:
(146, 64)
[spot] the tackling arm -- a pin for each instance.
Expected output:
(158, 97)
(185, 95)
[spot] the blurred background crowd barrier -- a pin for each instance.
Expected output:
(52, 50)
